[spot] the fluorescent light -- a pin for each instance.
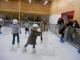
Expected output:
(45, 2)
(6, 0)
(30, 1)
(71, 0)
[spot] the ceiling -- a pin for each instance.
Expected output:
(33, 1)
(37, 6)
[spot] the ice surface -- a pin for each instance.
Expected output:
(50, 49)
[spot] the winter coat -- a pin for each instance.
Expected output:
(62, 30)
(32, 37)
(15, 28)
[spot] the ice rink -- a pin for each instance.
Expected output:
(50, 49)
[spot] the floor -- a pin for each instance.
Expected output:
(50, 49)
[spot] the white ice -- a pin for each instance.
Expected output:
(50, 49)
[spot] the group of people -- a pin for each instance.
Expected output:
(34, 32)
(67, 30)
(70, 27)
(32, 37)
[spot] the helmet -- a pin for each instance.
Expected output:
(15, 21)
(35, 25)
(1, 19)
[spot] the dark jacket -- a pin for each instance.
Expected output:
(62, 30)
(32, 37)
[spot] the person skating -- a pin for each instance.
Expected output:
(61, 32)
(15, 32)
(1, 22)
(43, 27)
(26, 25)
(32, 38)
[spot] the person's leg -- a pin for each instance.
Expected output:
(62, 38)
(17, 38)
(41, 38)
(26, 45)
(34, 50)
(33, 46)
(0, 28)
(18, 41)
(24, 49)
(26, 30)
(71, 37)
(13, 42)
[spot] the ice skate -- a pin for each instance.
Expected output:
(24, 50)
(34, 51)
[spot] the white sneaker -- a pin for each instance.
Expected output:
(24, 50)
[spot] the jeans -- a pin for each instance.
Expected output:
(15, 35)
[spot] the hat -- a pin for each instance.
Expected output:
(35, 25)
(1, 19)
(15, 21)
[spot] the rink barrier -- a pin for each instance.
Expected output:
(76, 36)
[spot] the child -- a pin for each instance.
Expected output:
(32, 38)
(15, 32)
(26, 27)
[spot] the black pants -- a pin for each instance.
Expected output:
(41, 38)
(26, 30)
(62, 35)
(28, 44)
(0, 28)
(15, 35)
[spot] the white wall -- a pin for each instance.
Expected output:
(52, 23)
(54, 18)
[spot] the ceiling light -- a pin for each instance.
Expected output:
(45, 2)
(30, 1)
(6, 0)
(71, 0)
